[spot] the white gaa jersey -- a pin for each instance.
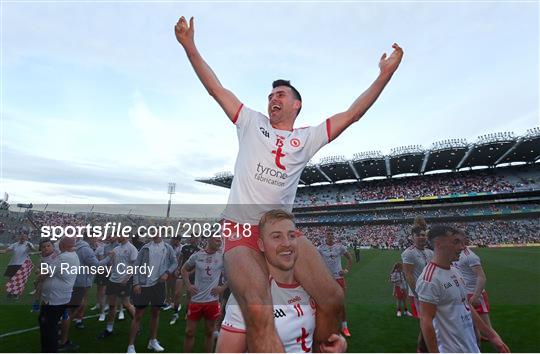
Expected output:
(208, 270)
(294, 317)
(418, 258)
(268, 165)
(467, 260)
(453, 322)
(332, 257)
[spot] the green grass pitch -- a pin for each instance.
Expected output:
(513, 284)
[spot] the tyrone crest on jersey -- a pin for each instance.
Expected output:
(279, 152)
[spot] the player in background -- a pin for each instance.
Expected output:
(356, 248)
(120, 284)
(294, 310)
(331, 253)
(101, 279)
(83, 283)
(470, 266)
(272, 145)
(186, 251)
(205, 292)
(149, 289)
(397, 278)
(171, 282)
(414, 259)
(447, 319)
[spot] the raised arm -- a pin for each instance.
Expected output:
(226, 99)
(341, 121)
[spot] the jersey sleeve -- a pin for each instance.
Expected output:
(317, 137)
(428, 291)
(473, 260)
(190, 263)
(245, 120)
(407, 257)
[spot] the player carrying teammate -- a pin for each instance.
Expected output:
(294, 310)
(331, 253)
(270, 161)
(446, 317)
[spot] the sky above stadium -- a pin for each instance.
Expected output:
(100, 104)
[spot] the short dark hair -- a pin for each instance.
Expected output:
(440, 231)
(42, 242)
(287, 83)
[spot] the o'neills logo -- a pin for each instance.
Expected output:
(270, 175)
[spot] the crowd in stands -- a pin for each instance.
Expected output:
(416, 187)
(409, 212)
(397, 236)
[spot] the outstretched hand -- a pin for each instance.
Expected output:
(184, 32)
(389, 65)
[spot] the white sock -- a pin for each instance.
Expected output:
(109, 327)
(344, 324)
(153, 341)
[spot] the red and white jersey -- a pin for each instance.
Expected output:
(332, 257)
(467, 260)
(268, 165)
(294, 317)
(398, 279)
(453, 322)
(208, 270)
(418, 258)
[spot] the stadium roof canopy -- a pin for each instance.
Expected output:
(489, 150)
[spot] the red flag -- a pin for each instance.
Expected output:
(15, 285)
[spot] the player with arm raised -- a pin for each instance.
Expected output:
(270, 161)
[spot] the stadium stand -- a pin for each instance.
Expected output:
(490, 188)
